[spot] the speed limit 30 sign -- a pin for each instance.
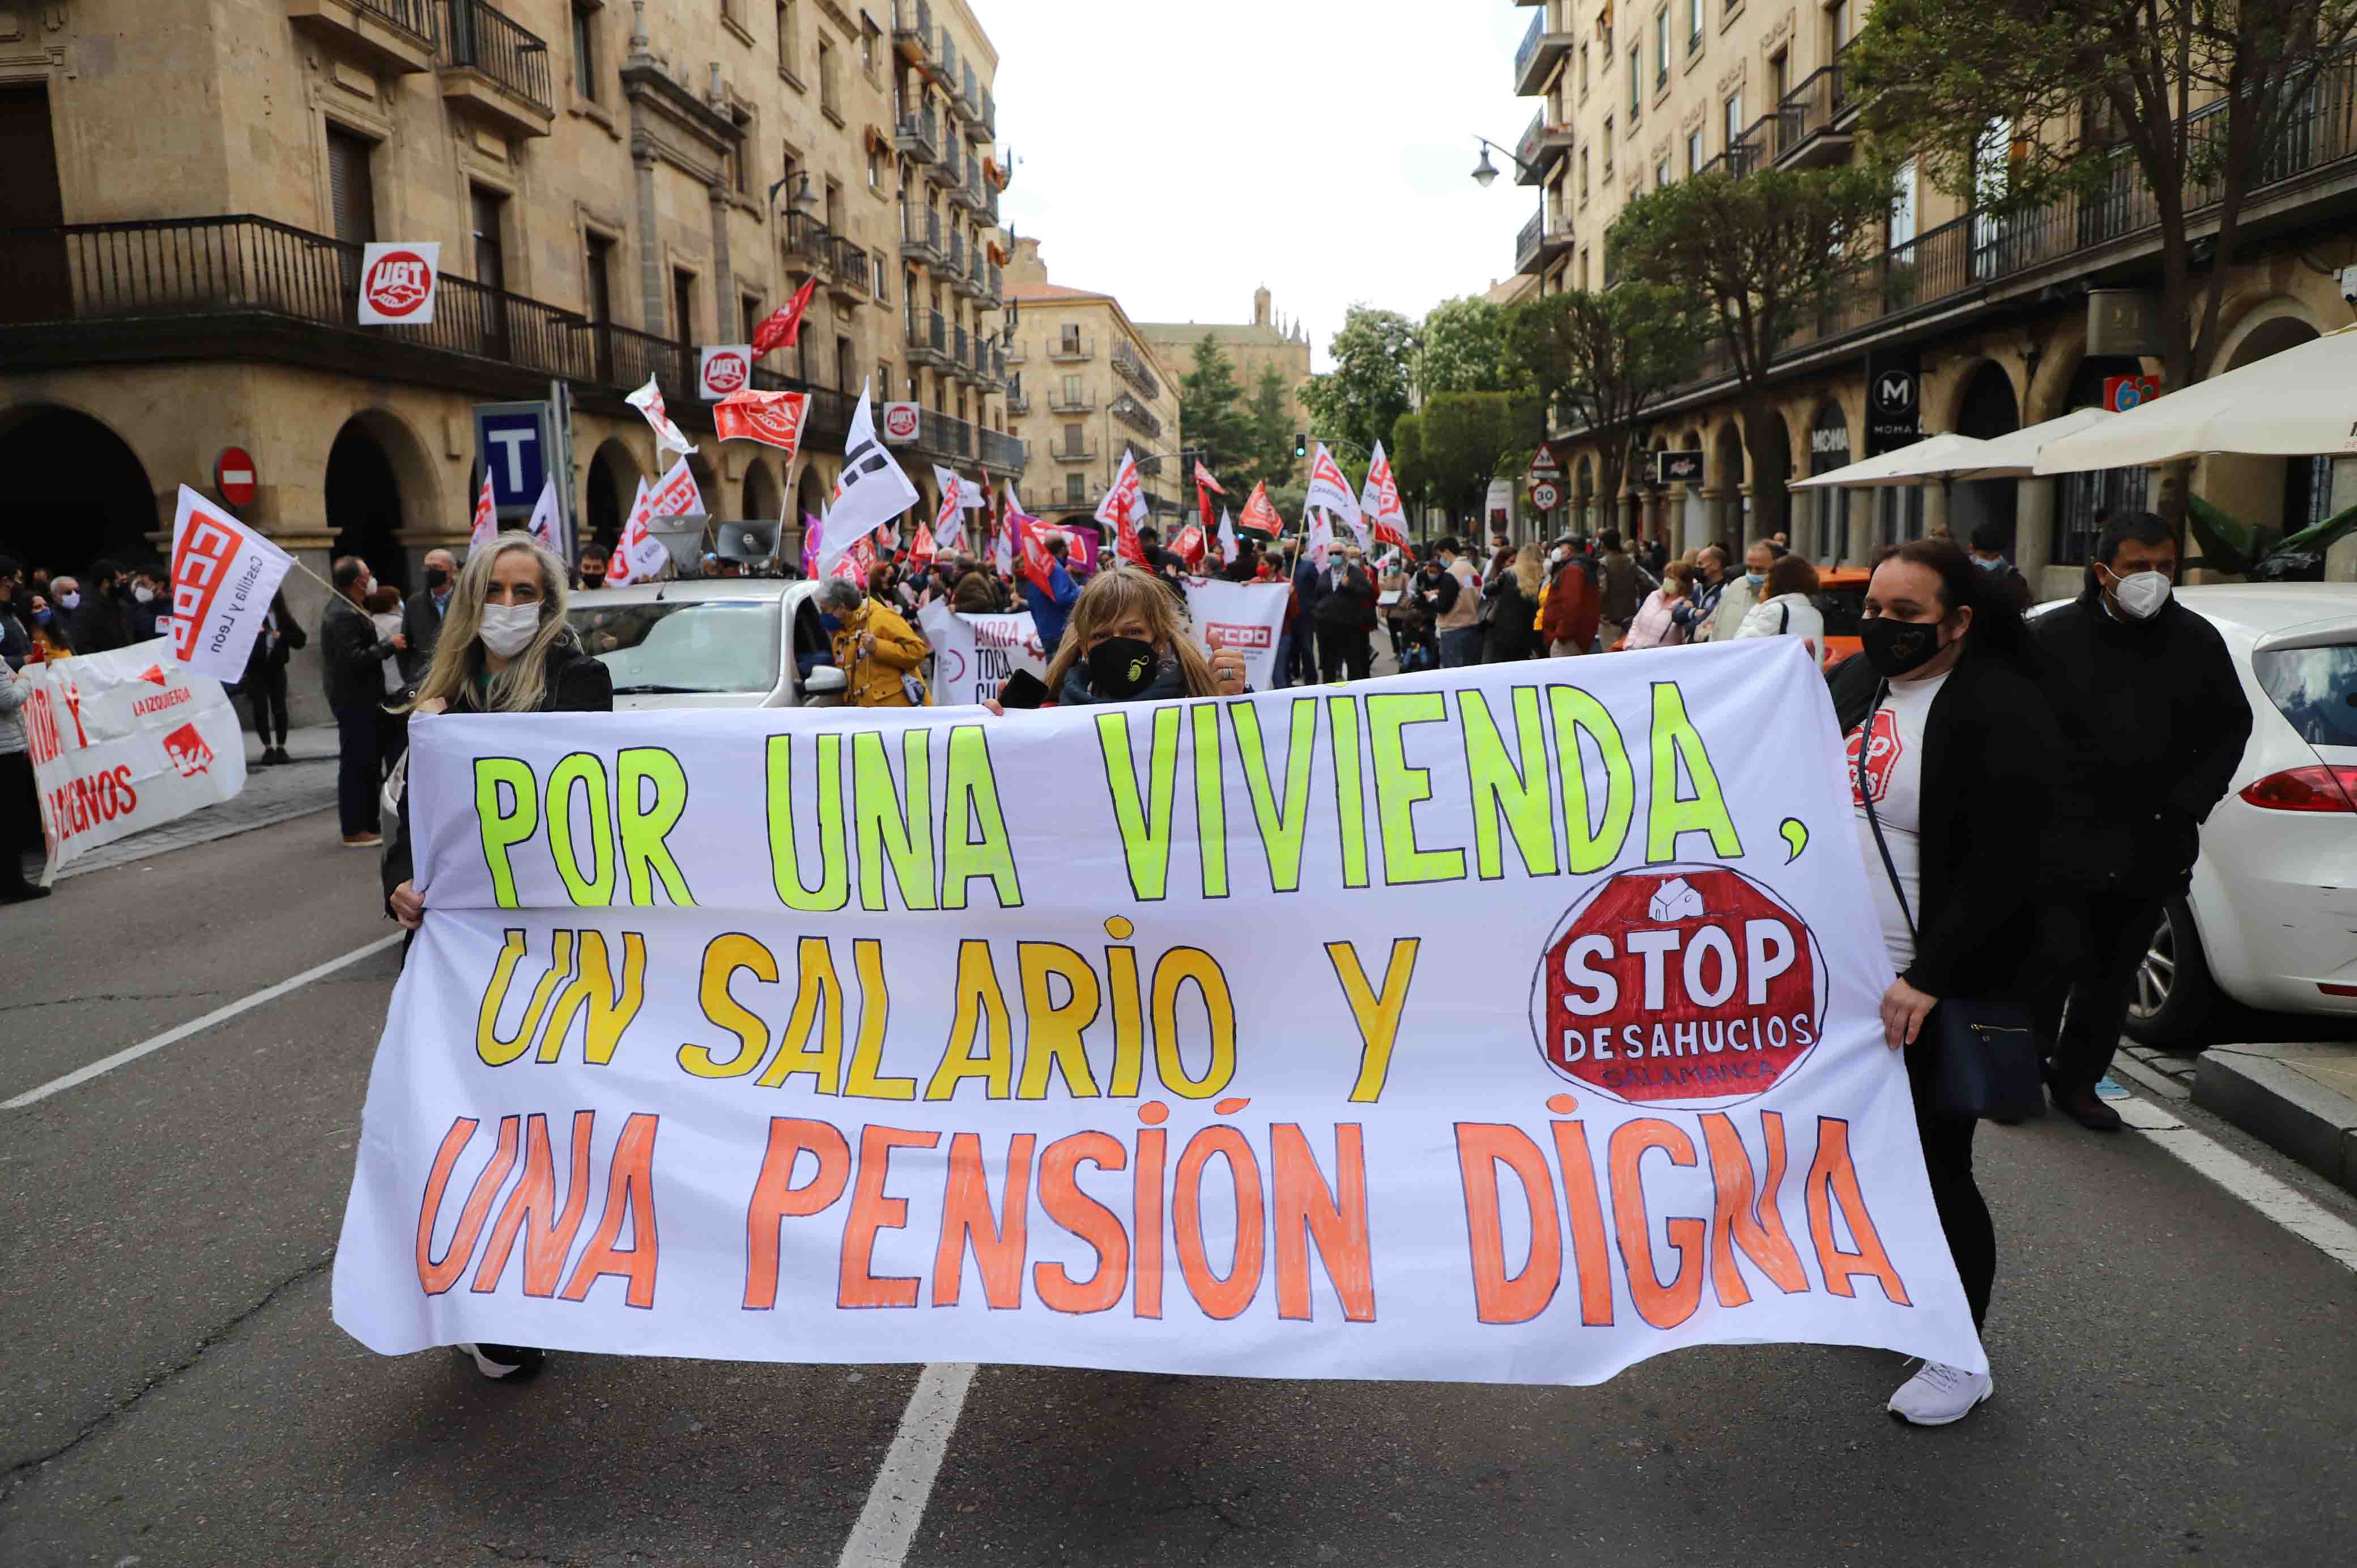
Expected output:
(1544, 496)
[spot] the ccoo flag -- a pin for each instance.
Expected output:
(223, 578)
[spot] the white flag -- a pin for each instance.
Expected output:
(1329, 490)
(223, 578)
(1005, 558)
(676, 494)
(948, 523)
(869, 492)
(638, 556)
(1320, 538)
(649, 399)
(547, 520)
(486, 526)
(1227, 539)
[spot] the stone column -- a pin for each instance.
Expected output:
(652, 282)
(2033, 526)
(724, 280)
(1935, 507)
(1859, 506)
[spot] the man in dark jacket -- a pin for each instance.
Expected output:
(98, 623)
(1345, 616)
(1618, 592)
(1988, 555)
(351, 664)
(420, 617)
(265, 682)
(2153, 721)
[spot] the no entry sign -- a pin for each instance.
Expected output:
(233, 476)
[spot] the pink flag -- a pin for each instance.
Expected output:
(486, 517)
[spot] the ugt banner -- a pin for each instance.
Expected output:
(1246, 616)
(1513, 1024)
(124, 740)
(973, 655)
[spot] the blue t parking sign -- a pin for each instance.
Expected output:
(508, 439)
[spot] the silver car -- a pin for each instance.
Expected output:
(718, 642)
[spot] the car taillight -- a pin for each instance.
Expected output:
(2304, 790)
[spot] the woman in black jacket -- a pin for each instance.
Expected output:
(504, 648)
(1127, 643)
(1515, 592)
(1953, 746)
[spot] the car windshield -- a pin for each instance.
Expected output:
(686, 646)
(2315, 688)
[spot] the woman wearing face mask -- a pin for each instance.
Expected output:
(1656, 624)
(877, 650)
(1959, 751)
(48, 630)
(1788, 606)
(1516, 590)
(504, 648)
(1127, 643)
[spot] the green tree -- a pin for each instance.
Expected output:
(1467, 439)
(2012, 103)
(1467, 345)
(1406, 453)
(1598, 359)
(1363, 396)
(1268, 446)
(1764, 253)
(1211, 416)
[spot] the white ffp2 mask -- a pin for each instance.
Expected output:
(508, 629)
(2141, 594)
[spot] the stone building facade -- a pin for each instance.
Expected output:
(1984, 318)
(1262, 343)
(612, 183)
(1088, 385)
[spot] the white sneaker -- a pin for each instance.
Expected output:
(1940, 1394)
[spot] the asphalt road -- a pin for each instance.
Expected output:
(2177, 1375)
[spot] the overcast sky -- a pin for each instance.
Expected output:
(1180, 156)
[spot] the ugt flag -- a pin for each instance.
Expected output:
(223, 578)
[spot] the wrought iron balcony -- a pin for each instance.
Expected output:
(1541, 146)
(1070, 451)
(944, 435)
(1019, 401)
(1540, 243)
(851, 278)
(1001, 453)
(969, 95)
(1811, 127)
(967, 191)
(920, 236)
(943, 65)
(912, 29)
(1073, 346)
(946, 169)
(396, 35)
(1067, 401)
(961, 349)
(988, 288)
(495, 67)
(808, 240)
(989, 115)
(918, 137)
(1540, 53)
(1136, 415)
(928, 338)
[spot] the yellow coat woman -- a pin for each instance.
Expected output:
(877, 651)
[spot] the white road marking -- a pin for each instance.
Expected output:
(2296, 1212)
(896, 1503)
(197, 1025)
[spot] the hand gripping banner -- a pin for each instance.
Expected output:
(1512, 1024)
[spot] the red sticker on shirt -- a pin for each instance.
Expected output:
(1881, 758)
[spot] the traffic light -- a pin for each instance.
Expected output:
(1300, 443)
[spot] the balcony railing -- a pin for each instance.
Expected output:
(919, 135)
(943, 67)
(960, 349)
(475, 36)
(853, 272)
(1061, 402)
(809, 239)
(945, 434)
(989, 113)
(1130, 366)
(1541, 146)
(1136, 415)
(1019, 401)
(989, 284)
(955, 264)
(920, 236)
(928, 338)
(913, 27)
(1072, 348)
(970, 91)
(1537, 56)
(1805, 120)
(1000, 451)
(1540, 242)
(1081, 451)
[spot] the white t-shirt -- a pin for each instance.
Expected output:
(1894, 771)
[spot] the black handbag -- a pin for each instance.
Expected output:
(1985, 1060)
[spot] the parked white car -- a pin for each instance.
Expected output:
(2271, 918)
(719, 642)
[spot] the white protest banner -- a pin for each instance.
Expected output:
(1470, 1024)
(124, 740)
(223, 578)
(974, 654)
(398, 282)
(1246, 616)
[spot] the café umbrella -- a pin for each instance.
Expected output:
(1940, 457)
(2015, 456)
(2292, 405)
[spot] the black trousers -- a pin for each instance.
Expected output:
(2084, 1012)
(358, 769)
(1344, 652)
(20, 821)
(1955, 1196)
(1305, 651)
(266, 695)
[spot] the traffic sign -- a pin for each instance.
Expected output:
(513, 441)
(1543, 466)
(1544, 496)
(233, 476)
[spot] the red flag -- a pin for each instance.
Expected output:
(785, 325)
(1203, 480)
(1261, 513)
(774, 419)
(1038, 566)
(487, 522)
(1121, 508)
(1190, 544)
(920, 549)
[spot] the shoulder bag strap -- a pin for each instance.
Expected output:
(1866, 795)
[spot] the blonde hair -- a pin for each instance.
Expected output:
(1530, 570)
(458, 651)
(1115, 594)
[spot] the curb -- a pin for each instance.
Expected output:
(2263, 1089)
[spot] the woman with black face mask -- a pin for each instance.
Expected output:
(1955, 748)
(1127, 643)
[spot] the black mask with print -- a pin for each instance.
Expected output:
(1895, 647)
(1121, 667)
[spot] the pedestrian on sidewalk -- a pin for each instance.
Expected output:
(1346, 618)
(351, 659)
(504, 648)
(1737, 594)
(21, 821)
(1952, 747)
(2153, 722)
(1514, 594)
(1619, 589)
(264, 681)
(422, 617)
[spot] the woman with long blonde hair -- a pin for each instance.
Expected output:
(1518, 592)
(1127, 641)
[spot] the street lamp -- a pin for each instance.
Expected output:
(1485, 173)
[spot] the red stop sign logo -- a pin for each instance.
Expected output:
(1677, 985)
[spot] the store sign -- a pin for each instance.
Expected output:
(1677, 468)
(2122, 394)
(1894, 391)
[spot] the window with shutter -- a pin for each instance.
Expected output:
(352, 192)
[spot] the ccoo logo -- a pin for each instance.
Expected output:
(399, 282)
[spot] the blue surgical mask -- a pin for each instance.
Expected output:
(1988, 566)
(1757, 579)
(828, 622)
(42, 616)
